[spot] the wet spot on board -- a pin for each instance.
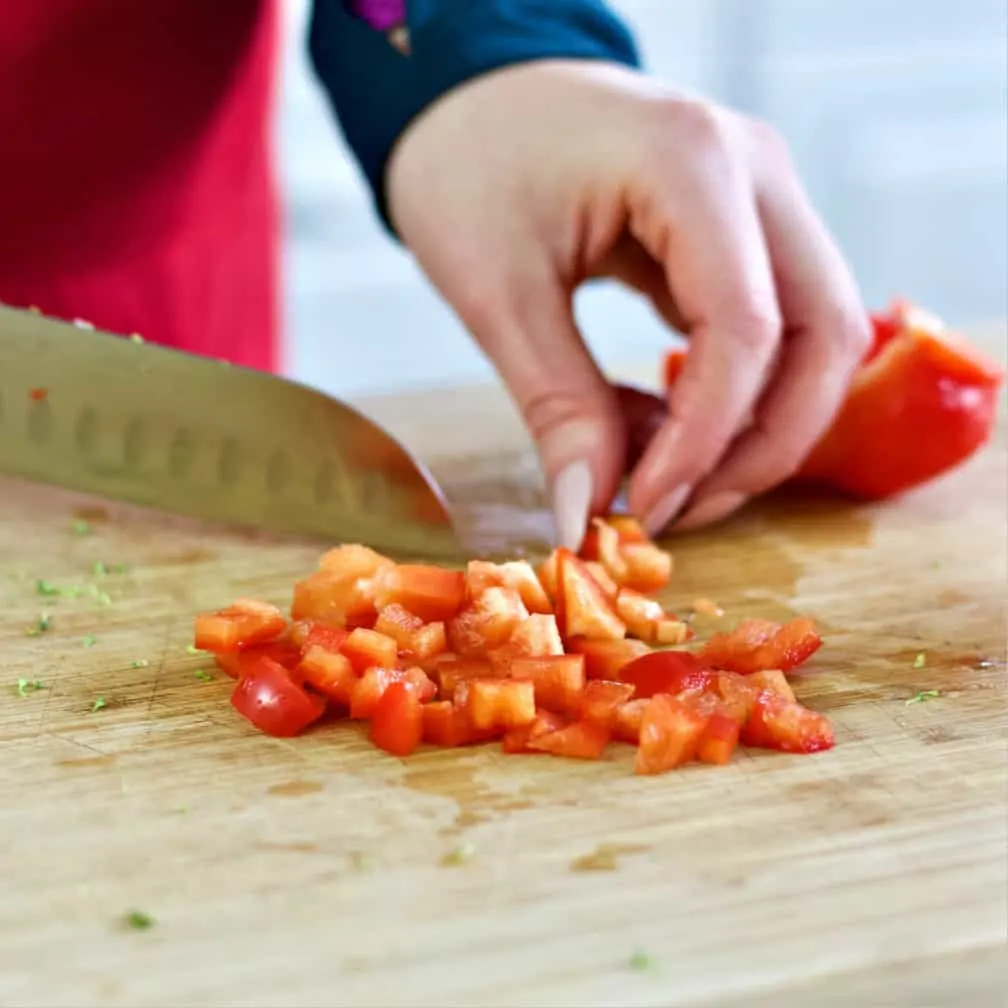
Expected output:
(91, 514)
(605, 857)
(196, 555)
(454, 775)
(295, 788)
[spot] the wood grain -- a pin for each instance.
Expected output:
(311, 872)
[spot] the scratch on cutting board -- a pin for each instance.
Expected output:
(169, 627)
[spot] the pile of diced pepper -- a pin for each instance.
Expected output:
(562, 659)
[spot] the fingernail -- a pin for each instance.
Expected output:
(711, 509)
(666, 509)
(572, 496)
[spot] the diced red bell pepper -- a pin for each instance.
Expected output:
(334, 599)
(582, 608)
(719, 738)
(559, 681)
(548, 573)
(354, 561)
(737, 692)
(580, 740)
(518, 575)
(516, 740)
(238, 663)
(371, 686)
(368, 648)
(666, 672)
(458, 670)
(537, 636)
(775, 681)
(602, 700)
(605, 658)
(329, 672)
(398, 623)
(244, 623)
(602, 544)
(669, 735)
(501, 703)
(273, 702)
(444, 724)
(397, 724)
(640, 614)
(649, 567)
(757, 645)
(432, 593)
(309, 633)
(602, 578)
(627, 555)
(627, 723)
(486, 623)
(774, 723)
(414, 637)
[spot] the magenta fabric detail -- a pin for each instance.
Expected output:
(382, 15)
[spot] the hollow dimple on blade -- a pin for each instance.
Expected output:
(101, 414)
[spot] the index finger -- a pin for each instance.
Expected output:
(704, 227)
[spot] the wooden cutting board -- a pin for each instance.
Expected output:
(321, 872)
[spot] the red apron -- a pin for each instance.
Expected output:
(136, 181)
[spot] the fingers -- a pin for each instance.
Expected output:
(527, 328)
(706, 232)
(826, 336)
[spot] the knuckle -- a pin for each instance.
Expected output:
(758, 327)
(700, 126)
(849, 331)
(769, 141)
(477, 303)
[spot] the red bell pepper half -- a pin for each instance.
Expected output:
(922, 402)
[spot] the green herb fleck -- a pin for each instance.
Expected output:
(920, 661)
(47, 588)
(203, 675)
(139, 663)
(923, 695)
(192, 650)
(101, 597)
(98, 704)
(137, 920)
(101, 569)
(26, 686)
(81, 527)
(41, 625)
(90, 640)
(641, 961)
(359, 860)
(182, 809)
(459, 855)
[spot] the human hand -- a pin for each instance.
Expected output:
(517, 186)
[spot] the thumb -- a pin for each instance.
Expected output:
(573, 414)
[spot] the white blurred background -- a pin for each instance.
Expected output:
(895, 110)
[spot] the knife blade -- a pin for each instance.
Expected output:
(128, 420)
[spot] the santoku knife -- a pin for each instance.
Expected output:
(136, 422)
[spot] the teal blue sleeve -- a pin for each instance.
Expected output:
(377, 86)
